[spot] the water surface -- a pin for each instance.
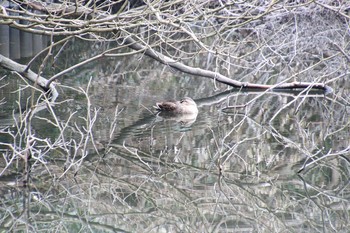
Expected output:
(247, 169)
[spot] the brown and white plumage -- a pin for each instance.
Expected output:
(184, 106)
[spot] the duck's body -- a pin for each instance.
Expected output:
(184, 106)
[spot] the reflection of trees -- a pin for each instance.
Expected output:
(149, 179)
(137, 191)
(152, 181)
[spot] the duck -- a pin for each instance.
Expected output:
(184, 106)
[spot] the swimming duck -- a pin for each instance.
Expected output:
(184, 106)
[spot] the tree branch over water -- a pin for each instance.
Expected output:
(219, 77)
(28, 74)
(177, 33)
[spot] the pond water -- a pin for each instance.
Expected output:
(279, 164)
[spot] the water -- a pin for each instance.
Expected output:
(129, 170)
